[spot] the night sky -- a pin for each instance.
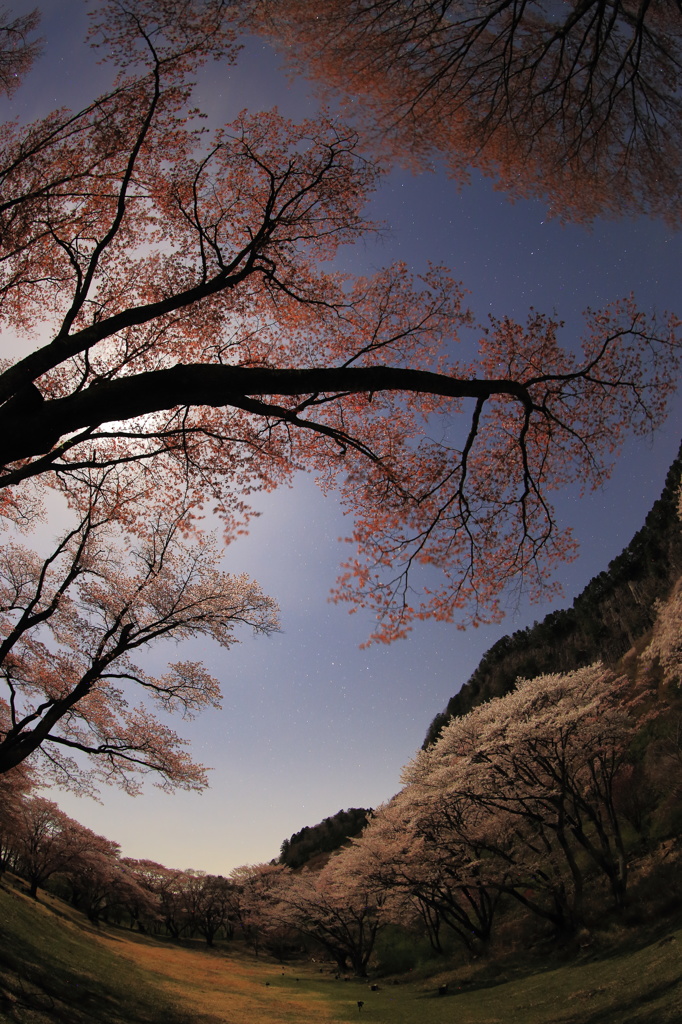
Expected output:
(311, 723)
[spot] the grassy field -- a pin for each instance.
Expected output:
(54, 967)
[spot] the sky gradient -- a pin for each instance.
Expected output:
(311, 723)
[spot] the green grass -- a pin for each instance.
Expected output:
(54, 967)
(633, 986)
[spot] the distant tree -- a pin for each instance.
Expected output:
(666, 642)
(168, 885)
(654, 794)
(207, 903)
(154, 880)
(254, 893)
(94, 871)
(338, 907)
(142, 902)
(324, 837)
(15, 786)
(578, 103)
(42, 841)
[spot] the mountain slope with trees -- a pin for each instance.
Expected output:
(611, 613)
(325, 837)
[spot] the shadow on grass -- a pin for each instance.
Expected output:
(50, 972)
(73, 997)
(641, 1010)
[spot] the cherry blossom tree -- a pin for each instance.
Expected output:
(540, 765)
(165, 887)
(192, 335)
(666, 644)
(45, 842)
(141, 900)
(41, 841)
(254, 896)
(392, 859)
(70, 624)
(207, 903)
(577, 103)
(15, 786)
(158, 906)
(659, 778)
(338, 907)
(18, 47)
(415, 848)
(94, 871)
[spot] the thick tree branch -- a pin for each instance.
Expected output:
(128, 397)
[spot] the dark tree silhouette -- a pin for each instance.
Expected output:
(576, 102)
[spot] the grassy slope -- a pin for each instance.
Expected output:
(55, 967)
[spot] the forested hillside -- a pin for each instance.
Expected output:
(325, 837)
(615, 608)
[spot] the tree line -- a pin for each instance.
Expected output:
(533, 809)
(325, 837)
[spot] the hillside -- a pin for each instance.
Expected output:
(611, 613)
(325, 837)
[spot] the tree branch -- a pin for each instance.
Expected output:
(199, 384)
